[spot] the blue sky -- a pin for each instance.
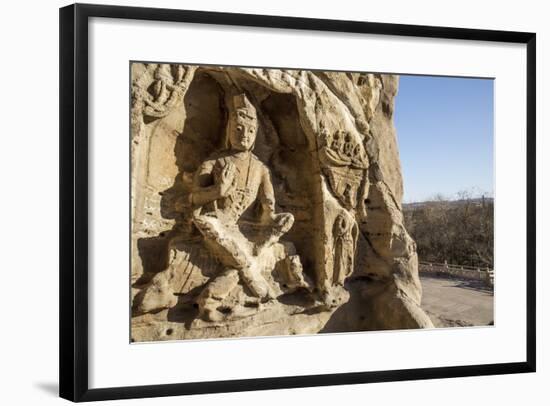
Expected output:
(445, 135)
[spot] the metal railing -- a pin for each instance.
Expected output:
(486, 275)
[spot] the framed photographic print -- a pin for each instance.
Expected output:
(280, 202)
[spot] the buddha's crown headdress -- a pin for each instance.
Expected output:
(241, 101)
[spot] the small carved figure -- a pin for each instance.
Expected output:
(345, 239)
(348, 147)
(165, 93)
(339, 140)
(225, 186)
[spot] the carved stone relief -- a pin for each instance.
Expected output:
(266, 202)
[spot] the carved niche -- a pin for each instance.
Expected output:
(249, 191)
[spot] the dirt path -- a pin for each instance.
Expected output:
(451, 302)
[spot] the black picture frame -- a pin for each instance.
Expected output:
(73, 278)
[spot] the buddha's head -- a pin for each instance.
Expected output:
(242, 124)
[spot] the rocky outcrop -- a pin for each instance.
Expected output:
(294, 228)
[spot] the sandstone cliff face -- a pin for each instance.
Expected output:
(328, 142)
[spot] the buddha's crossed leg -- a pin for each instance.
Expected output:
(234, 251)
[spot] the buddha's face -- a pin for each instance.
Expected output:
(242, 126)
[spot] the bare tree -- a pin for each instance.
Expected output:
(459, 231)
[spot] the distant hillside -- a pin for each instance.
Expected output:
(475, 201)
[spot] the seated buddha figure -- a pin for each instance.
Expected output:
(224, 187)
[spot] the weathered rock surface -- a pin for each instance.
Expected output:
(267, 202)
